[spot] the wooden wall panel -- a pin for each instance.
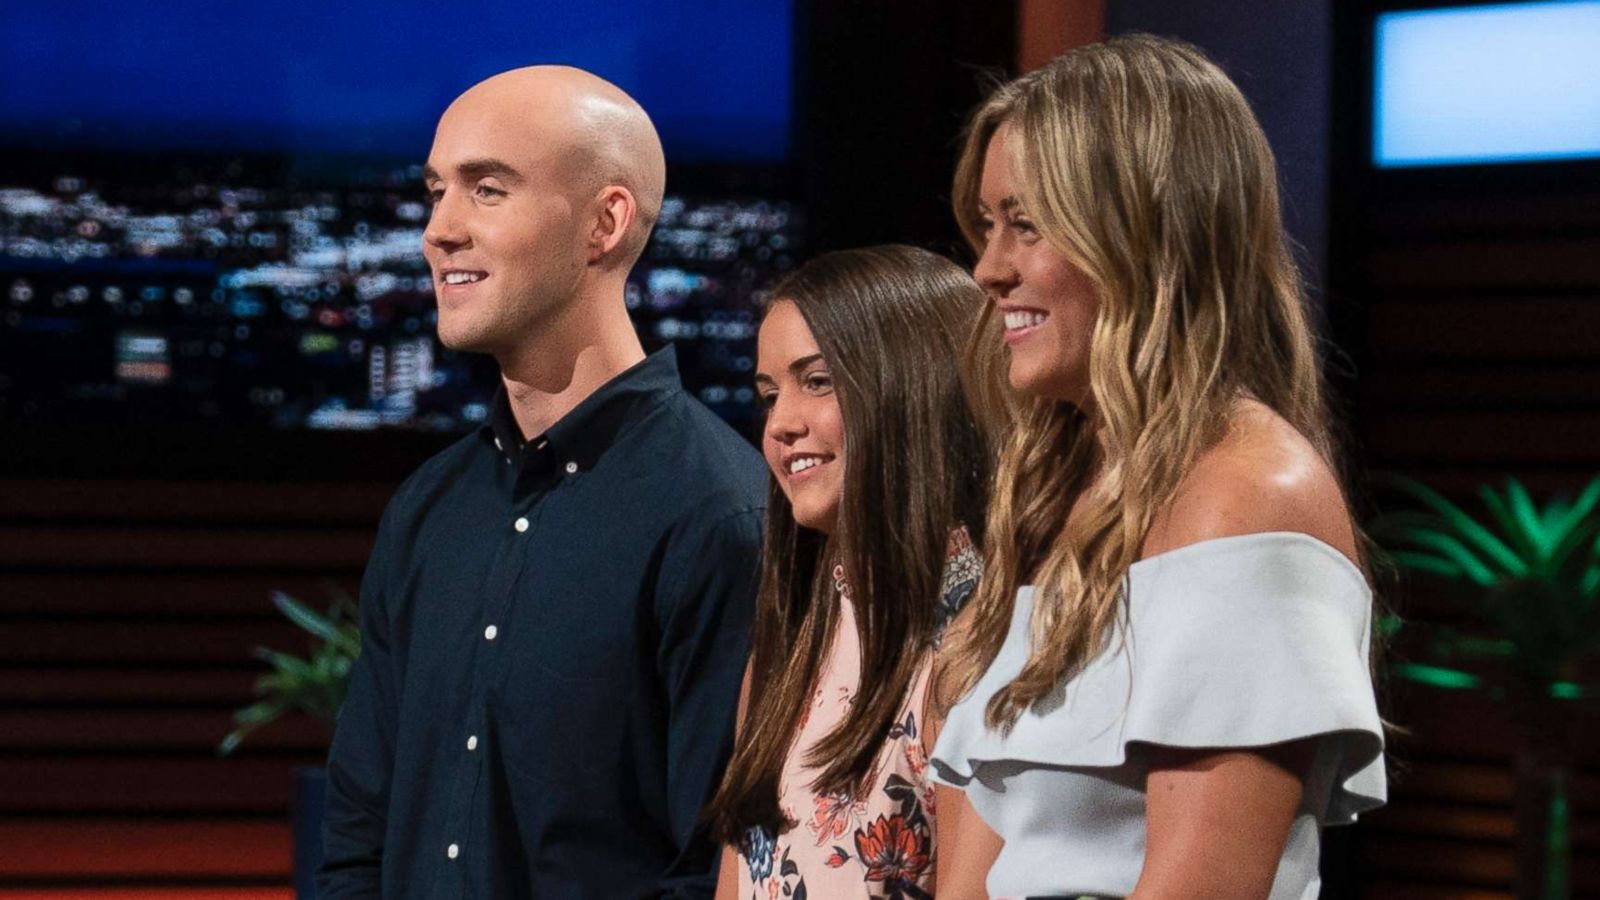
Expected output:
(41, 849)
(1483, 330)
(1508, 263)
(128, 611)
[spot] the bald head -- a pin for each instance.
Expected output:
(579, 128)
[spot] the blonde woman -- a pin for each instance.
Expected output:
(1160, 688)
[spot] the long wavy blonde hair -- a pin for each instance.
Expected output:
(1143, 165)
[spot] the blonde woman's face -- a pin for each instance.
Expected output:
(803, 439)
(1048, 305)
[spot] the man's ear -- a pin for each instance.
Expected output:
(614, 216)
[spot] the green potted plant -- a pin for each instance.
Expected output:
(315, 685)
(1528, 576)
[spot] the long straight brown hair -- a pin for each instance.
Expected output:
(891, 322)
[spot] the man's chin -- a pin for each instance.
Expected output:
(463, 338)
(457, 344)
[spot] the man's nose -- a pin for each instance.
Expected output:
(445, 229)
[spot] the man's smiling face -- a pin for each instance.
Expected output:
(503, 238)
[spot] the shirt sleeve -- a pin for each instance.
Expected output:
(360, 762)
(709, 576)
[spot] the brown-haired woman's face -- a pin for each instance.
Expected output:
(1049, 305)
(803, 439)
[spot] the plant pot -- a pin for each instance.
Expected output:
(1543, 767)
(310, 796)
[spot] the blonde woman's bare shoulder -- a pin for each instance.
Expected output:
(1262, 476)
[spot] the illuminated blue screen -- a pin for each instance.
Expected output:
(1487, 84)
(372, 76)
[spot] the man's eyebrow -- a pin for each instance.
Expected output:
(478, 168)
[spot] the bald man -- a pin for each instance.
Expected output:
(554, 616)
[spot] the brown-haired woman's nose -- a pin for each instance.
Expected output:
(784, 423)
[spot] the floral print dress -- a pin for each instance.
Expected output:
(875, 846)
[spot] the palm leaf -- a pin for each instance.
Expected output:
(316, 685)
(1580, 508)
(292, 666)
(1574, 547)
(1538, 568)
(1567, 690)
(1426, 562)
(233, 740)
(248, 719)
(311, 621)
(1465, 526)
(1437, 676)
(1452, 549)
(1500, 509)
(275, 682)
(1527, 518)
(258, 713)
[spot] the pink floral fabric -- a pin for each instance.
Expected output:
(879, 844)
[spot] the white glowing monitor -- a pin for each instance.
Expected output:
(1507, 82)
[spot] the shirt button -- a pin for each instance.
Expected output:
(572, 468)
(472, 742)
(490, 632)
(453, 851)
(498, 445)
(521, 524)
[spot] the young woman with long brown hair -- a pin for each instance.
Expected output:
(1161, 687)
(879, 469)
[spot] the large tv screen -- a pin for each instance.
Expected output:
(212, 213)
(1496, 83)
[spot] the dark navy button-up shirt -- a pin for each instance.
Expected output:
(553, 635)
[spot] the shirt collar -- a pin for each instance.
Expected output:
(583, 434)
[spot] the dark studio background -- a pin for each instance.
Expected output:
(1463, 307)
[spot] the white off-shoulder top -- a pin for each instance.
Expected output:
(1241, 641)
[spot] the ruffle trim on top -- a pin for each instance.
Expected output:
(1237, 642)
